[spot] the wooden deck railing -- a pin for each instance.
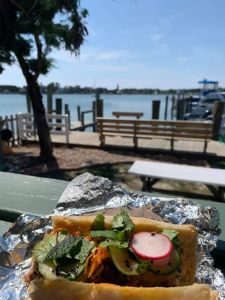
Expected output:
(11, 123)
(58, 124)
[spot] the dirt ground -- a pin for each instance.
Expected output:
(111, 164)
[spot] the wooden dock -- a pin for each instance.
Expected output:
(79, 126)
(91, 139)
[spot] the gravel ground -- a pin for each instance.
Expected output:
(111, 164)
(24, 159)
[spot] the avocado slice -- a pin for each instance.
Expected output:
(123, 261)
(170, 267)
(46, 271)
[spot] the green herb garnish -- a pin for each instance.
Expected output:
(109, 234)
(172, 235)
(62, 248)
(123, 223)
(85, 249)
(114, 243)
(98, 223)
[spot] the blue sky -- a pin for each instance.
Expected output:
(143, 44)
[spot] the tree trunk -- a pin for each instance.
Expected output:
(46, 149)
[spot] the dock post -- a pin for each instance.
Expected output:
(29, 108)
(180, 109)
(49, 102)
(172, 106)
(78, 113)
(49, 98)
(166, 107)
(67, 112)
(99, 105)
(217, 118)
(94, 115)
(58, 110)
(99, 108)
(155, 109)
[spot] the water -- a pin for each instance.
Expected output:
(11, 104)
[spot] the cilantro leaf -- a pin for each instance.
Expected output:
(63, 247)
(98, 223)
(109, 234)
(85, 249)
(173, 236)
(114, 243)
(121, 222)
(170, 233)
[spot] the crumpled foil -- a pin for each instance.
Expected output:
(89, 193)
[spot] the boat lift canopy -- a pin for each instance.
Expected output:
(209, 85)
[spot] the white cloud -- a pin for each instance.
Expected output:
(111, 55)
(90, 55)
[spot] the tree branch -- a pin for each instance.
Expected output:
(24, 66)
(36, 36)
(33, 6)
(39, 55)
(20, 7)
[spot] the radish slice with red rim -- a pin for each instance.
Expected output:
(152, 246)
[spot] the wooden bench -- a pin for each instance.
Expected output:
(119, 114)
(151, 172)
(149, 129)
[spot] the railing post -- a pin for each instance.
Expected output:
(58, 103)
(67, 112)
(20, 128)
(94, 115)
(166, 107)
(217, 118)
(67, 129)
(100, 130)
(135, 134)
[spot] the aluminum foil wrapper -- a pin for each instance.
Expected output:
(88, 193)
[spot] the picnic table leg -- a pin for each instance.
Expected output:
(218, 192)
(148, 182)
(221, 191)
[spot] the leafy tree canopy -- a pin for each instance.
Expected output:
(29, 30)
(32, 28)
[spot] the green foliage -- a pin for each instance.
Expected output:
(35, 27)
(98, 223)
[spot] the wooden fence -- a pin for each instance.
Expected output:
(11, 123)
(23, 126)
(58, 124)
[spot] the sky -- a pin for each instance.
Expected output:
(143, 44)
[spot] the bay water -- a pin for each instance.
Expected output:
(11, 104)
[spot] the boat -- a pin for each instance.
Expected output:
(202, 104)
(210, 93)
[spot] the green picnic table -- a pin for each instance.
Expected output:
(28, 194)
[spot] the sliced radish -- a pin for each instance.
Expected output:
(152, 246)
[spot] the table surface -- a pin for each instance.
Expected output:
(210, 176)
(29, 194)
